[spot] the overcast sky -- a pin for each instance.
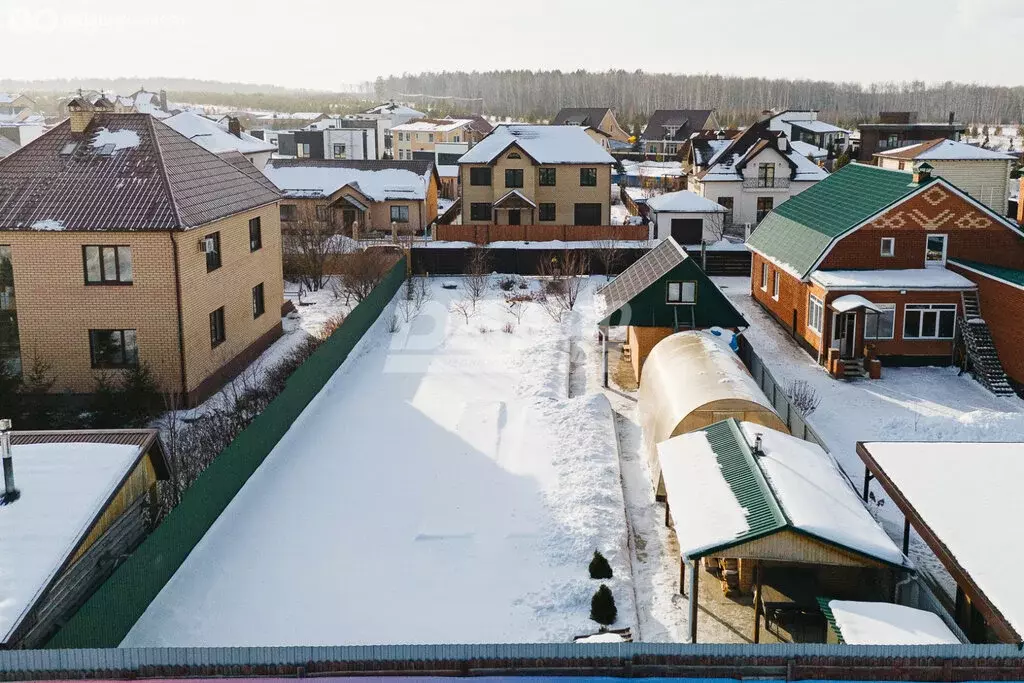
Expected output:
(329, 44)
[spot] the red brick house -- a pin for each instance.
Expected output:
(875, 267)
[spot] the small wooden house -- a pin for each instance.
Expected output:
(85, 500)
(662, 293)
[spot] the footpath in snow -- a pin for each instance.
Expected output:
(442, 488)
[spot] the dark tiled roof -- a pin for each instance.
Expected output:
(580, 116)
(149, 178)
(417, 166)
(242, 163)
(799, 231)
(688, 120)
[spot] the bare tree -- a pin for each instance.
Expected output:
(310, 244)
(803, 396)
(609, 251)
(417, 294)
(478, 276)
(516, 303)
(567, 277)
(361, 271)
(465, 307)
(714, 227)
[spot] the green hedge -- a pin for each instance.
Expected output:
(105, 619)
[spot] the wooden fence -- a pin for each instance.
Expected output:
(485, 234)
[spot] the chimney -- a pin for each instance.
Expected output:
(163, 99)
(952, 117)
(11, 493)
(81, 112)
(758, 450)
(234, 127)
(922, 173)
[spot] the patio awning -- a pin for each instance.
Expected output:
(849, 302)
(355, 202)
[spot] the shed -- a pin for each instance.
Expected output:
(687, 217)
(85, 500)
(692, 380)
(780, 509)
(883, 623)
(662, 293)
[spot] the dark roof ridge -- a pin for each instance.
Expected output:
(162, 166)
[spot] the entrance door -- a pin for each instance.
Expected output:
(844, 333)
(587, 214)
(687, 230)
(514, 217)
(348, 217)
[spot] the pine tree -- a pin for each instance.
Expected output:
(602, 606)
(599, 567)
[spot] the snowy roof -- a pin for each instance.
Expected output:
(392, 108)
(447, 171)
(908, 278)
(792, 485)
(305, 115)
(968, 497)
(818, 126)
(941, 149)
(852, 301)
(215, 137)
(727, 165)
(684, 201)
(545, 144)
(654, 169)
(433, 125)
(883, 623)
(63, 488)
(298, 179)
(807, 149)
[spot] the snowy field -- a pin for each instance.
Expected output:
(442, 488)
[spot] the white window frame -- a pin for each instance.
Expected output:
(775, 286)
(679, 299)
(764, 277)
(945, 248)
(868, 315)
(891, 241)
(920, 324)
(811, 301)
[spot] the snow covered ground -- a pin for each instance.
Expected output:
(907, 404)
(442, 487)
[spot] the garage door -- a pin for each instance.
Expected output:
(687, 230)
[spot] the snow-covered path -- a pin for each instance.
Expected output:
(442, 488)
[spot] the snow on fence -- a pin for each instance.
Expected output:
(485, 234)
(110, 613)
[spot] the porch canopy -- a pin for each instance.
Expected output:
(740, 490)
(851, 302)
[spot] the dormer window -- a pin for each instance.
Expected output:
(514, 155)
(670, 131)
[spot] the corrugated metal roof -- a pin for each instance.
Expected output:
(642, 274)
(145, 439)
(1012, 275)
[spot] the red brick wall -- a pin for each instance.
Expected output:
(792, 297)
(483, 234)
(1002, 307)
(973, 235)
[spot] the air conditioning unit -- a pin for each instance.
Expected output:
(207, 245)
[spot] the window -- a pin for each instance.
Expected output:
(815, 313)
(480, 211)
(588, 177)
(430, 137)
(764, 277)
(339, 151)
(764, 207)
(399, 214)
(547, 211)
(212, 247)
(289, 212)
(258, 305)
(903, 165)
(893, 140)
(929, 321)
(670, 148)
(766, 175)
(513, 177)
(302, 149)
(107, 265)
(113, 349)
(547, 177)
(255, 234)
(935, 250)
(456, 139)
(775, 285)
(217, 335)
(881, 325)
(888, 246)
(514, 155)
(480, 176)
(682, 292)
(726, 203)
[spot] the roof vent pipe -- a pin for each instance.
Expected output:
(11, 493)
(758, 451)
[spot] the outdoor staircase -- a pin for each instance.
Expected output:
(981, 350)
(853, 368)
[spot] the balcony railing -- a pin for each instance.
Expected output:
(766, 184)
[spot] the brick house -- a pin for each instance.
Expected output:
(601, 119)
(122, 242)
(896, 129)
(529, 175)
(873, 266)
(424, 134)
(371, 193)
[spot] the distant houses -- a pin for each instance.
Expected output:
(219, 138)
(599, 118)
(668, 130)
(804, 127)
(896, 129)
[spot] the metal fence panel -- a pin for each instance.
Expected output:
(108, 615)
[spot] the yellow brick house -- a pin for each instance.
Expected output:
(122, 242)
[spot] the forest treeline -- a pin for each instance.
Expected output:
(538, 95)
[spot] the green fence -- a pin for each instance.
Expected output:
(111, 612)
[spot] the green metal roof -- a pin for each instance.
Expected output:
(799, 231)
(826, 610)
(743, 475)
(1011, 275)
